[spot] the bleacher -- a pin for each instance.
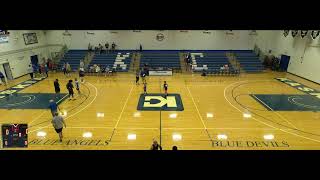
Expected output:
(118, 61)
(249, 61)
(211, 62)
(161, 59)
(73, 57)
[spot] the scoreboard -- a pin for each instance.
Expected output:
(14, 135)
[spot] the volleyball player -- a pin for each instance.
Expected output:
(165, 87)
(70, 89)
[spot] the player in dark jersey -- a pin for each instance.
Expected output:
(81, 74)
(165, 87)
(56, 86)
(70, 89)
(145, 88)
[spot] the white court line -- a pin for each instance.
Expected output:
(196, 108)
(37, 118)
(62, 98)
(275, 112)
(75, 112)
(283, 130)
(45, 111)
(262, 102)
(255, 129)
(124, 106)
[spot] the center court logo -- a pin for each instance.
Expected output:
(159, 102)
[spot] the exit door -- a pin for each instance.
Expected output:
(284, 62)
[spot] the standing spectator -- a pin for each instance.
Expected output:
(100, 48)
(40, 69)
(107, 71)
(3, 79)
(58, 123)
(46, 69)
(155, 146)
(68, 68)
(53, 107)
(70, 89)
(48, 63)
(137, 78)
(81, 74)
(64, 68)
(107, 47)
(56, 86)
(113, 46)
(89, 47)
(140, 48)
(30, 71)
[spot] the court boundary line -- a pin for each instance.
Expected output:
(262, 121)
(257, 129)
(205, 127)
(124, 106)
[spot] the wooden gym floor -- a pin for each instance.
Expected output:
(212, 119)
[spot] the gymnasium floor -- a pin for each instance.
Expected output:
(212, 116)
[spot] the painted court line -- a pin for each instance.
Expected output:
(283, 130)
(37, 118)
(124, 106)
(199, 113)
(262, 102)
(275, 112)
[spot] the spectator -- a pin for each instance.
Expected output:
(81, 64)
(68, 69)
(64, 68)
(140, 48)
(107, 71)
(3, 79)
(89, 47)
(30, 70)
(113, 46)
(58, 123)
(107, 47)
(46, 69)
(175, 148)
(100, 48)
(155, 146)
(97, 69)
(137, 78)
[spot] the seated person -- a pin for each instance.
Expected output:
(91, 69)
(97, 69)
(226, 68)
(222, 69)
